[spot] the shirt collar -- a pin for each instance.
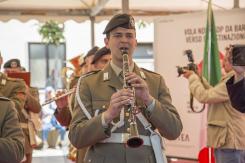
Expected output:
(118, 70)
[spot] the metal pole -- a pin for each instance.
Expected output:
(125, 6)
(92, 20)
(236, 4)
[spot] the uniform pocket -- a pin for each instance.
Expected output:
(217, 133)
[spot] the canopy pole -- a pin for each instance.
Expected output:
(125, 6)
(236, 4)
(92, 21)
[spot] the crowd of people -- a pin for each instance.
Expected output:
(113, 103)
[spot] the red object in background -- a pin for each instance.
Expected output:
(21, 75)
(203, 156)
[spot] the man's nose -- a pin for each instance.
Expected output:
(124, 38)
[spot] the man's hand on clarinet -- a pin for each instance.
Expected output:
(118, 101)
(141, 87)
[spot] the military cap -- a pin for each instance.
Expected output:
(101, 52)
(8, 63)
(120, 20)
(92, 51)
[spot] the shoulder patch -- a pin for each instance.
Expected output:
(4, 99)
(149, 71)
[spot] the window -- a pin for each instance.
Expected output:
(143, 56)
(46, 62)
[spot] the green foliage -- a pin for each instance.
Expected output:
(52, 32)
(141, 24)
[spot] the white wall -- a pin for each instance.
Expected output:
(173, 35)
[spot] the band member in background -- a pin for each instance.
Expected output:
(99, 119)
(62, 113)
(100, 59)
(88, 67)
(11, 135)
(14, 89)
(31, 105)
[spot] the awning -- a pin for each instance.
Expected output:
(81, 10)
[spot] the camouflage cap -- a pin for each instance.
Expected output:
(8, 63)
(120, 20)
(101, 52)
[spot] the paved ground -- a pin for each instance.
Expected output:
(58, 155)
(51, 159)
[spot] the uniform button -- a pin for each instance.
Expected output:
(126, 114)
(103, 106)
(89, 160)
(128, 129)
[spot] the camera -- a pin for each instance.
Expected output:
(238, 55)
(190, 66)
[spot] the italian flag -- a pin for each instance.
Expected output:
(211, 65)
(211, 70)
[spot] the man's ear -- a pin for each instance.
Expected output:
(106, 41)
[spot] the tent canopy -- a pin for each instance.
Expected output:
(80, 10)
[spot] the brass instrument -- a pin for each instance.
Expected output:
(72, 154)
(134, 140)
(65, 77)
(59, 97)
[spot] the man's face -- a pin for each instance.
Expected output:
(88, 67)
(121, 38)
(100, 64)
(13, 64)
(226, 63)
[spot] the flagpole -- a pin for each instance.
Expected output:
(209, 40)
(209, 59)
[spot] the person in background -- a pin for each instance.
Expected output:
(88, 67)
(15, 90)
(31, 105)
(101, 58)
(62, 113)
(226, 129)
(236, 86)
(47, 114)
(11, 135)
(60, 129)
(99, 120)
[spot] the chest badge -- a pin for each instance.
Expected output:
(3, 82)
(106, 76)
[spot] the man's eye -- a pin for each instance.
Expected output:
(129, 36)
(117, 35)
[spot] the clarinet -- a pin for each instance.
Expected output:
(134, 140)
